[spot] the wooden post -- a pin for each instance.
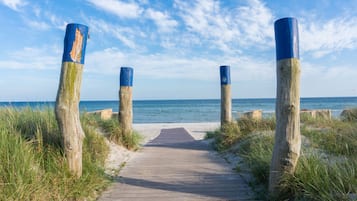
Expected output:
(126, 100)
(287, 135)
(226, 100)
(68, 95)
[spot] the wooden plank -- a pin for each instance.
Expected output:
(174, 166)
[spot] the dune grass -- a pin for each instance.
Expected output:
(349, 115)
(33, 166)
(233, 132)
(112, 128)
(327, 168)
(333, 136)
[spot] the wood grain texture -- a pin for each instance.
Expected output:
(126, 109)
(226, 104)
(67, 114)
(287, 135)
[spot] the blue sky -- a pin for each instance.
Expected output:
(176, 47)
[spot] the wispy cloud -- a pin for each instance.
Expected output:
(14, 4)
(118, 8)
(41, 58)
(324, 80)
(124, 34)
(255, 22)
(40, 25)
(162, 20)
(245, 26)
(166, 65)
(325, 37)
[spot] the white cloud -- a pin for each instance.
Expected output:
(105, 61)
(119, 8)
(124, 34)
(162, 20)
(56, 21)
(325, 37)
(44, 20)
(14, 4)
(42, 58)
(165, 65)
(242, 27)
(37, 24)
(327, 80)
(255, 22)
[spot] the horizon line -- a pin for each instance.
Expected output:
(177, 99)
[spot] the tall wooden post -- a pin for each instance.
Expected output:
(126, 100)
(68, 95)
(226, 100)
(287, 135)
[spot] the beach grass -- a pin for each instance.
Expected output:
(326, 170)
(232, 132)
(349, 115)
(111, 127)
(33, 166)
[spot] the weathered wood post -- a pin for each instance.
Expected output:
(226, 100)
(126, 100)
(68, 95)
(287, 135)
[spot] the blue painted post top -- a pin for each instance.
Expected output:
(225, 75)
(75, 42)
(286, 38)
(126, 76)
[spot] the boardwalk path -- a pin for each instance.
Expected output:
(174, 166)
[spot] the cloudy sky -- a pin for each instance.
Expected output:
(176, 47)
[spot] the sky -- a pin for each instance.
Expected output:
(176, 47)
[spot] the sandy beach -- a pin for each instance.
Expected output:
(119, 155)
(197, 130)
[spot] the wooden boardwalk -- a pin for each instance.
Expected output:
(173, 167)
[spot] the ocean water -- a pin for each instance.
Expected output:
(184, 111)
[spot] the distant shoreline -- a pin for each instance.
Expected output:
(196, 110)
(167, 99)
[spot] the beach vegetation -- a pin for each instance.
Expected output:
(326, 170)
(349, 115)
(112, 129)
(33, 165)
(231, 133)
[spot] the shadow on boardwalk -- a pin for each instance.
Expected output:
(174, 166)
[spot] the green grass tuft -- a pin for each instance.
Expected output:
(349, 115)
(316, 179)
(112, 128)
(232, 132)
(327, 172)
(335, 137)
(32, 163)
(250, 125)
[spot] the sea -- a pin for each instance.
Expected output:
(194, 111)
